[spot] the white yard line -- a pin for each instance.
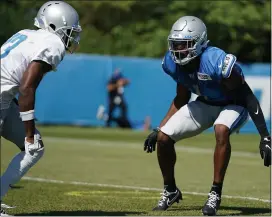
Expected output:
(133, 188)
(139, 146)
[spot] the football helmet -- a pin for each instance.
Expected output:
(62, 19)
(187, 39)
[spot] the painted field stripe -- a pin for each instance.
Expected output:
(134, 188)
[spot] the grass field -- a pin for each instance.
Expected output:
(88, 171)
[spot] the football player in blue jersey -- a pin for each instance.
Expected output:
(224, 101)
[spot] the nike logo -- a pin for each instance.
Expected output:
(220, 65)
(267, 146)
(257, 111)
(169, 203)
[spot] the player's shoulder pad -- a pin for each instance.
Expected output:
(211, 55)
(56, 44)
(168, 64)
(216, 60)
(211, 59)
(55, 51)
(228, 64)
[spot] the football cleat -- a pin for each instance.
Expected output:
(212, 204)
(5, 206)
(3, 213)
(167, 199)
(100, 112)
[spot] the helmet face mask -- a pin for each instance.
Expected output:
(70, 37)
(61, 19)
(187, 39)
(180, 49)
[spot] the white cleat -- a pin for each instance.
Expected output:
(100, 112)
(3, 213)
(5, 206)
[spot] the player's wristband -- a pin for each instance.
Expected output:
(27, 116)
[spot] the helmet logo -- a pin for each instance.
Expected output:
(176, 36)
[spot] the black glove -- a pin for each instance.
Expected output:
(265, 150)
(150, 142)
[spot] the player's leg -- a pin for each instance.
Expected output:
(230, 119)
(123, 107)
(124, 117)
(14, 131)
(189, 121)
(3, 114)
(111, 107)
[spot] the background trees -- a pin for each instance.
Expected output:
(140, 28)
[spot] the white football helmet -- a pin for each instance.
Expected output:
(60, 18)
(187, 39)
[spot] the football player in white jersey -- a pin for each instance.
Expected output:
(25, 58)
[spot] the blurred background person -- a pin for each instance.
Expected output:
(115, 88)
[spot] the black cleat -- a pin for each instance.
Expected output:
(167, 199)
(212, 204)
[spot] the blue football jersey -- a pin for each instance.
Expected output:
(215, 64)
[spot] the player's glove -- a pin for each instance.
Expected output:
(265, 150)
(36, 146)
(151, 140)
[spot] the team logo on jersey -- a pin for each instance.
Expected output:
(203, 76)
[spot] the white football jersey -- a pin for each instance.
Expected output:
(19, 51)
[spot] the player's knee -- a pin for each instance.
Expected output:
(164, 139)
(222, 135)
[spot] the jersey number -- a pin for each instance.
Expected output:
(13, 42)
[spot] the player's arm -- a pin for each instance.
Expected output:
(111, 87)
(182, 98)
(237, 87)
(29, 83)
(120, 83)
(123, 82)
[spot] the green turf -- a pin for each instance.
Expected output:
(64, 199)
(240, 142)
(119, 159)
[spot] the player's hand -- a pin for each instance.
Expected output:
(33, 145)
(265, 150)
(120, 83)
(151, 140)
